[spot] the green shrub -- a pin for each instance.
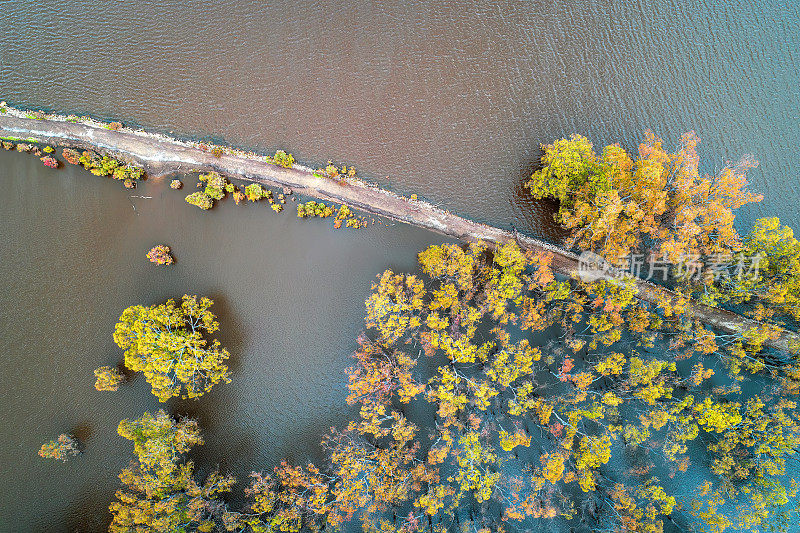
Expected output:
(216, 185)
(314, 209)
(106, 166)
(255, 192)
(201, 200)
(282, 159)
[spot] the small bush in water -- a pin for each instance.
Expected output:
(108, 379)
(60, 449)
(50, 161)
(216, 185)
(201, 200)
(160, 255)
(255, 192)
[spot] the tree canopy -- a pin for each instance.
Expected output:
(160, 491)
(553, 401)
(167, 344)
(614, 205)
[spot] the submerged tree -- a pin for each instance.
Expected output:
(590, 424)
(495, 396)
(166, 343)
(61, 449)
(160, 254)
(616, 205)
(160, 492)
(772, 280)
(108, 379)
(201, 200)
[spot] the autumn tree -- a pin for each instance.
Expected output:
(766, 271)
(108, 379)
(168, 344)
(160, 491)
(60, 449)
(535, 429)
(658, 202)
(294, 499)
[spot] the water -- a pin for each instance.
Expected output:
(289, 295)
(449, 101)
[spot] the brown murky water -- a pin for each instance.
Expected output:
(289, 295)
(446, 100)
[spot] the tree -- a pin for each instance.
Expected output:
(160, 493)
(295, 499)
(767, 270)
(60, 449)
(160, 254)
(614, 205)
(166, 342)
(108, 379)
(201, 200)
(158, 439)
(534, 429)
(255, 192)
(216, 185)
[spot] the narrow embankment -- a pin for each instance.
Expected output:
(160, 156)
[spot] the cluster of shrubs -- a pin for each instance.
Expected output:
(281, 159)
(216, 151)
(333, 172)
(312, 209)
(31, 148)
(160, 255)
(344, 214)
(104, 166)
(217, 186)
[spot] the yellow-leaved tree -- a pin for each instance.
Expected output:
(168, 344)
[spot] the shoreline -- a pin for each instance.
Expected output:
(161, 156)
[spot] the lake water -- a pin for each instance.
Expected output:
(449, 101)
